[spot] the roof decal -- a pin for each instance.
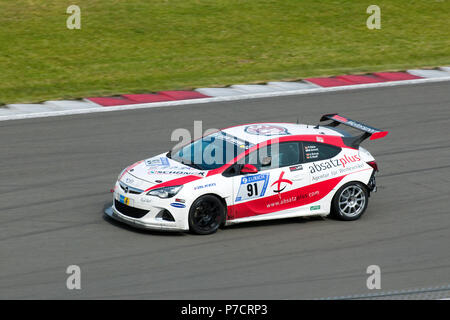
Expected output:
(266, 130)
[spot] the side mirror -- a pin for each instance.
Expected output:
(249, 168)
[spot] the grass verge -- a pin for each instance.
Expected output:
(137, 46)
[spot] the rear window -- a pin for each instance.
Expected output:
(314, 151)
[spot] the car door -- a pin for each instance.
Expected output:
(274, 189)
(321, 161)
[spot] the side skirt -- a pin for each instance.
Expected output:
(285, 214)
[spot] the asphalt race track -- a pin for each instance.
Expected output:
(56, 174)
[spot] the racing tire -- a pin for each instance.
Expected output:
(350, 201)
(206, 215)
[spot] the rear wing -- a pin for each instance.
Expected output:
(354, 142)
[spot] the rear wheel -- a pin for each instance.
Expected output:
(350, 201)
(206, 215)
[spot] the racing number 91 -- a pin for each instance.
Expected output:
(246, 309)
(252, 189)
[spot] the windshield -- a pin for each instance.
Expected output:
(210, 152)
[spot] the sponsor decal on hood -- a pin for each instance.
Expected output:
(157, 162)
(161, 169)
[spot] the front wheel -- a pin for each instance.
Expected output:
(206, 215)
(350, 201)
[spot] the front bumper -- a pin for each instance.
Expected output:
(146, 212)
(112, 212)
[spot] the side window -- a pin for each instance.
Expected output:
(282, 155)
(314, 151)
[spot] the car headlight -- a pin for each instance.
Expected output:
(165, 192)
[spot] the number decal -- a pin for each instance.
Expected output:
(253, 186)
(252, 189)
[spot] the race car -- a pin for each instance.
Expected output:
(251, 172)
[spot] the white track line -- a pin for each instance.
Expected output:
(219, 99)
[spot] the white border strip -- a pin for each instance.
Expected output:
(220, 99)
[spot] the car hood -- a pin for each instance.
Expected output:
(160, 170)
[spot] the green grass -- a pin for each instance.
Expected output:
(135, 46)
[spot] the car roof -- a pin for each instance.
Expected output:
(263, 131)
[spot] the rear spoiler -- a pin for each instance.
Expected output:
(354, 142)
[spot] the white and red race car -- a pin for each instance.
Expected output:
(251, 172)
